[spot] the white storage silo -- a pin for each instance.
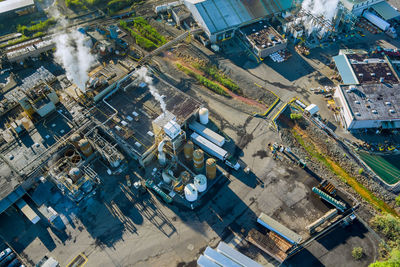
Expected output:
(200, 181)
(191, 192)
(203, 116)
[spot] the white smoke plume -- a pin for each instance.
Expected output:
(319, 8)
(74, 56)
(142, 73)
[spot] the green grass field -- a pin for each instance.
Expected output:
(386, 167)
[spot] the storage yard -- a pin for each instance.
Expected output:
(199, 133)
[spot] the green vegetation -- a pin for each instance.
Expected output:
(366, 194)
(35, 28)
(147, 31)
(397, 200)
(392, 261)
(389, 226)
(360, 171)
(145, 35)
(357, 253)
(75, 4)
(213, 72)
(204, 81)
(296, 116)
(15, 41)
(140, 40)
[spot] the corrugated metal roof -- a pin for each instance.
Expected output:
(385, 10)
(345, 70)
(9, 5)
(279, 228)
(220, 15)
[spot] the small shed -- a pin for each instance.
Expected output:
(312, 109)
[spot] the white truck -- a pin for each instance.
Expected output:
(215, 151)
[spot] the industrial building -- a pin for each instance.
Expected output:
(381, 7)
(369, 106)
(29, 49)
(263, 38)
(360, 68)
(14, 8)
(221, 18)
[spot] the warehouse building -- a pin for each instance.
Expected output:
(220, 18)
(369, 106)
(14, 8)
(360, 68)
(264, 39)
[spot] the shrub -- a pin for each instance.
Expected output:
(296, 116)
(389, 226)
(397, 200)
(204, 81)
(213, 72)
(357, 253)
(392, 261)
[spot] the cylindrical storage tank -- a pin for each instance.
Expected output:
(198, 159)
(203, 116)
(211, 168)
(200, 181)
(75, 159)
(75, 138)
(188, 150)
(185, 177)
(69, 153)
(178, 186)
(85, 147)
(166, 177)
(191, 193)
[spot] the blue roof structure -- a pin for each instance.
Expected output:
(345, 70)
(219, 15)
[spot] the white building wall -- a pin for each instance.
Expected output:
(359, 8)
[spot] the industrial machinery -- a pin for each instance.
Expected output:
(336, 203)
(327, 216)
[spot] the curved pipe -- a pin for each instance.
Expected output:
(161, 154)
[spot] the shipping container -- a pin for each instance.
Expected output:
(207, 133)
(209, 147)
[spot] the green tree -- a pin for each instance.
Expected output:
(357, 253)
(360, 171)
(398, 200)
(392, 261)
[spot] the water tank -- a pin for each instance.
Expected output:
(211, 168)
(69, 153)
(178, 186)
(75, 159)
(191, 193)
(198, 159)
(185, 177)
(200, 181)
(85, 147)
(75, 138)
(203, 115)
(188, 150)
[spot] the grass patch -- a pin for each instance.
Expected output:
(213, 72)
(35, 28)
(141, 41)
(204, 81)
(344, 176)
(21, 39)
(147, 31)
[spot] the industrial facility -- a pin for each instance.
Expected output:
(14, 8)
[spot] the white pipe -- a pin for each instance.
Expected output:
(161, 155)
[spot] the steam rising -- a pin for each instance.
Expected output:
(74, 56)
(142, 73)
(319, 8)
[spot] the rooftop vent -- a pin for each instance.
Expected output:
(357, 102)
(389, 74)
(372, 74)
(138, 144)
(374, 111)
(381, 79)
(263, 46)
(388, 103)
(358, 114)
(360, 74)
(392, 111)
